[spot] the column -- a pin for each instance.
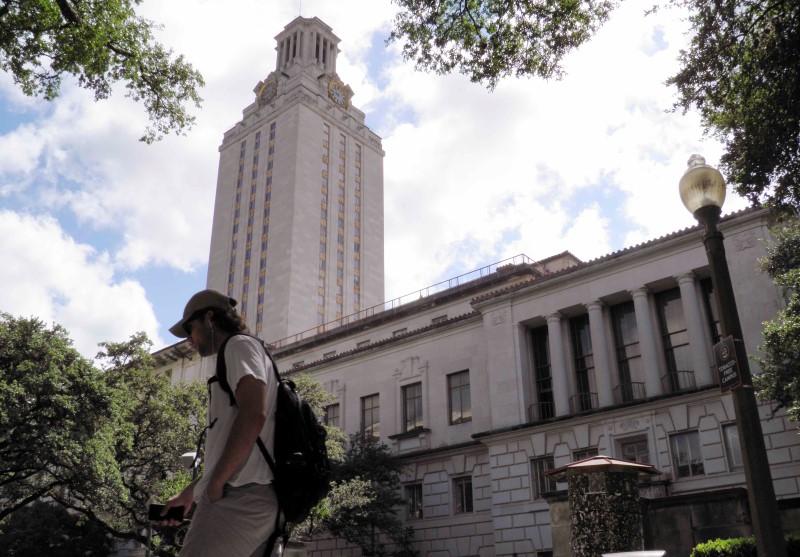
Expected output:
(558, 367)
(300, 45)
(701, 355)
(602, 365)
(648, 344)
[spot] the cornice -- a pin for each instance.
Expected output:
(686, 235)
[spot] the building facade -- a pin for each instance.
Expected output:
(485, 385)
(297, 236)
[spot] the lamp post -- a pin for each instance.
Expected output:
(702, 191)
(190, 462)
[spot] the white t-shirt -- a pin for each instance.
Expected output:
(243, 356)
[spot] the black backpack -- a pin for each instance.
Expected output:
(301, 466)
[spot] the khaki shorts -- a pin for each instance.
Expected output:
(237, 525)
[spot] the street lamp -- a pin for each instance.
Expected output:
(702, 191)
(190, 462)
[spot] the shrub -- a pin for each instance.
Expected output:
(741, 547)
(733, 547)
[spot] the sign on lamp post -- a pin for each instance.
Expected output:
(727, 364)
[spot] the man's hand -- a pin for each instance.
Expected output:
(183, 499)
(215, 491)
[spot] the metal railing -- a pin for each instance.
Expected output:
(582, 402)
(628, 392)
(406, 299)
(678, 381)
(539, 411)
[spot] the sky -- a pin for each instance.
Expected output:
(108, 236)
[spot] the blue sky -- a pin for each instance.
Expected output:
(108, 236)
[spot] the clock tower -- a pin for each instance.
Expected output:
(297, 235)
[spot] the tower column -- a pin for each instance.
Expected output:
(701, 358)
(602, 366)
(647, 341)
(557, 364)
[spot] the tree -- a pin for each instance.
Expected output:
(152, 423)
(100, 42)
(741, 74)
(100, 442)
(492, 39)
(740, 71)
(361, 506)
(318, 398)
(53, 405)
(779, 379)
(48, 529)
(373, 474)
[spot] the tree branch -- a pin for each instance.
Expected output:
(69, 12)
(38, 494)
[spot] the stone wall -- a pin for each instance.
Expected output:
(678, 523)
(605, 513)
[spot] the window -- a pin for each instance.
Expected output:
(332, 415)
(584, 363)
(439, 319)
(398, 332)
(362, 343)
(583, 454)
(542, 375)
(635, 450)
(629, 361)
(460, 404)
(541, 483)
(414, 501)
(462, 495)
(687, 458)
(330, 354)
(676, 341)
(370, 415)
(733, 449)
(412, 407)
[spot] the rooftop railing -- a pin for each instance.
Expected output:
(394, 304)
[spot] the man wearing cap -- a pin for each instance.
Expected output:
(236, 504)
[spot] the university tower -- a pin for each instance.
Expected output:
(297, 235)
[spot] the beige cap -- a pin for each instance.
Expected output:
(205, 299)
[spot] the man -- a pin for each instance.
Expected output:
(236, 504)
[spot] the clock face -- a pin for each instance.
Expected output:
(337, 93)
(268, 91)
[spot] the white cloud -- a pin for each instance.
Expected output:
(525, 164)
(471, 177)
(48, 275)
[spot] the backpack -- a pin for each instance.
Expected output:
(301, 466)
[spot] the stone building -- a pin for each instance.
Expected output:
(518, 368)
(488, 380)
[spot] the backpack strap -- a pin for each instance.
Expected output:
(221, 377)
